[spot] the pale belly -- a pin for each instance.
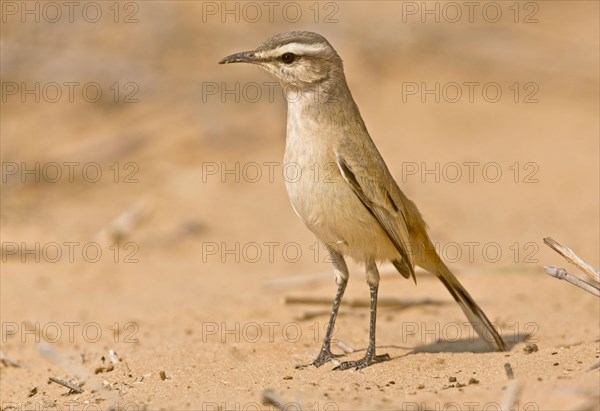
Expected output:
(330, 209)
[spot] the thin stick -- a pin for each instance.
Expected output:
(269, 396)
(345, 347)
(7, 361)
(511, 395)
(573, 258)
(298, 281)
(562, 274)
(77, 371)
(326, 278)
(593, 367)
(359, 302)
(67, 384)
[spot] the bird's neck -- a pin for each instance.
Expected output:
(329, 102)
(317, 119)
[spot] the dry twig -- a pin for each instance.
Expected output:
(574, 259)
(593, 367)
(74, 388)
(269, 396)
(7, 362)
(345, 347)
(360, 302)
(562, 274)
(511, 396)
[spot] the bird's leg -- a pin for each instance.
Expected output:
(341, 278)
(370, 357)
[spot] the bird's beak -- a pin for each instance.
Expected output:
(243, 57)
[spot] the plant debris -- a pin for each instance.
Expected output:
(72, 387)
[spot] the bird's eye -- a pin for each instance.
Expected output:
(288, 58)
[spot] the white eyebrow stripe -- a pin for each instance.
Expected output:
(296, 48)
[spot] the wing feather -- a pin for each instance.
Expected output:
(388, 213)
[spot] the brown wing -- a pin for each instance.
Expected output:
(379, 202)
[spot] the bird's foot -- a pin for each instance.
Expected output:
(367, 360)
(324, 357)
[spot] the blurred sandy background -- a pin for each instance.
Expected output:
(193, 289)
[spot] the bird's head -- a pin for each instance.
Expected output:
(299, 60)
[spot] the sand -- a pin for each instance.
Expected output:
(190, 311)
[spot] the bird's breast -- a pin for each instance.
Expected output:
(310, 173)
(323, 199)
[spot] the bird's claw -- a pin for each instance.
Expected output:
(363, 362)
(324, 357)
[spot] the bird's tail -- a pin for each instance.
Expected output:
(476, 316)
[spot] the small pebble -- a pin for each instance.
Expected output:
(529, 348)
(473, 381)
(452, 379)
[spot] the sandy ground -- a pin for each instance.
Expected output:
(191, 185)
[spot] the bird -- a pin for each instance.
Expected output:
(355, 207)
